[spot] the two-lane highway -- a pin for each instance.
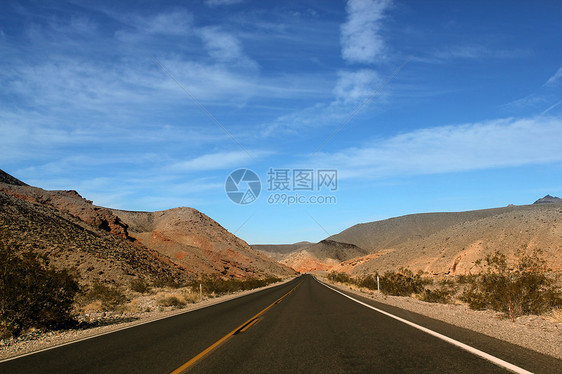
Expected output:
(312, 329)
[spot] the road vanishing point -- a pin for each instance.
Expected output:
(302, 326)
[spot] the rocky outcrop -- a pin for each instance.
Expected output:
(69, 202)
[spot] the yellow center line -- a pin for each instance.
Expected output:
(243, 327)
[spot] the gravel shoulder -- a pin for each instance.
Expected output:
(542, 334)
(38, 340)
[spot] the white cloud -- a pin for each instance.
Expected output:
(217, 161)
(351, 90)
(221, 45)
(360, 35)
(353, 86)
(474, 146)
(169, 23)
(215, 3)
(555, 78)
(226, 48)
(471, 52)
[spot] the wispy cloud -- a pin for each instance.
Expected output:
(215, 3)
(353, 86)
(217, 161)
(551, 107)
(474, 146)
(351, 89)
(179, 22)
(471, 52)
(555, 79)
(360, 34)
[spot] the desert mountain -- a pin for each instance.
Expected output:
(279, 251)
(548, 200)
(69, 202)
(74, 232)
(438, 243)
(70, 242)
(322, 256)
(198, 243)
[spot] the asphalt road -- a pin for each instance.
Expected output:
(310, 330)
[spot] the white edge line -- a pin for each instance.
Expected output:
(477, 352)
(134, 325)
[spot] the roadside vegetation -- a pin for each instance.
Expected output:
(33, 294)
(36, 296)
(523, 288)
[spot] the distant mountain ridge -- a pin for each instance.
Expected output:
(279, 251)
(548, 200)
(439, 243)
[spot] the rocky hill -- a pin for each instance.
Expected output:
(69, 242)
(69, 202)
(179, 243)
(278, 252)
(8, 179)
(198, 243)
(455, 249)
(322, 255)
(548, 200)
(438, 243)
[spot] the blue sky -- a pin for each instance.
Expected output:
(419, 106)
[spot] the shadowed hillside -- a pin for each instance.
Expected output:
(8, 179)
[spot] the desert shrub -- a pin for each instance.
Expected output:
(444, 294)
(34, 294)
(167, 283)
(139, 285)
(110, 296)
(334, 276)
(368, 281)
(172, 301)
(514, 290)
(401, 283)
(466, 278)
